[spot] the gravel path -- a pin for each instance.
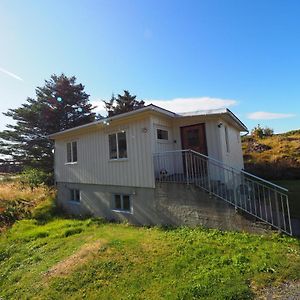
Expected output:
(285, 291)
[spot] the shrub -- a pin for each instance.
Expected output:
(14, 210)
(257, 132)
(45, 210)
(34, 177)
(267, 131)
(260, 132)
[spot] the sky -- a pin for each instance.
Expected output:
(181, 55)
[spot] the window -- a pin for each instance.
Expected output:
(193, 137)
(72, 152)
(238, 137)
(75, 195)
(117, 145)
(122, 203)
(162, 134)
(226, 139)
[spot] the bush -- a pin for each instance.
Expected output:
(35, 177)
(267, 131)
(257, 132)
(45, 211)
(260, 132)
(11, 211)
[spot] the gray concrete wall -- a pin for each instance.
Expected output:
(167, 204)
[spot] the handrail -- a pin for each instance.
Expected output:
(226, 166)
(254, 195)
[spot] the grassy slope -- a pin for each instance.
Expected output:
(279, 163)
(284, 146)
(139, 263)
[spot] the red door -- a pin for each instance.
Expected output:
(193, 137)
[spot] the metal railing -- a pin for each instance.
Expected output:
(260, 198)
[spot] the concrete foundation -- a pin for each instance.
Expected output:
(167, 204)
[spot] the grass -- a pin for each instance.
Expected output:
(294, 195)
(281, 161)
(90, 259)
(18, 201)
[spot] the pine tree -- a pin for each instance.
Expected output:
(122, 104)
(60, 104)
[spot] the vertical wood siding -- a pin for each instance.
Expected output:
(94, 165)
(234, 157)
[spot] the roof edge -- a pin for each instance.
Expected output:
(150, 107)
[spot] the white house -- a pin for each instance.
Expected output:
(115, 167)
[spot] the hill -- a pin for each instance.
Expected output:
(92, 259)
(275, 157)
(45, 254)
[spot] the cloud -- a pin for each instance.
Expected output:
(10, 74)
(99, 107)
(262, 115)
(180, 105)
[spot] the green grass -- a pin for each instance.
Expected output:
(139, 263)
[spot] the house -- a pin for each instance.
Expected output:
(153, 166)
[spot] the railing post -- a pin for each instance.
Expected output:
(234, 189)
(186, 168)
(277, 209)
(289, 217)
(208, 176)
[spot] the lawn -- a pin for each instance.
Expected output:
(91, 259)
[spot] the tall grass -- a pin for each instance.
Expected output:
(18, 201)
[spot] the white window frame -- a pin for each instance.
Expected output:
(72, 153)
(130, 211)
(162, 140)
(117, 145)
(73, 193)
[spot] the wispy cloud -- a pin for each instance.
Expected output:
(192, 104)
(180, 105)
(10, 74)
(262, 115)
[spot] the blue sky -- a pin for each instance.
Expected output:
(183, 55)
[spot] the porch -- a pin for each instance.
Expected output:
(255, 196)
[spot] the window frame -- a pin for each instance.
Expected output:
(162, 140)
(227, 139)
(72, 161)
(74, 193)
(122, 210)
(115, 134)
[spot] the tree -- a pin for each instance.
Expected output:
(261, 132)
(122, 104)
(60, 104)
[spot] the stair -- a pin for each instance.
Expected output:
(257, 197)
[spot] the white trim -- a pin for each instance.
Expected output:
(73, 191)
(123, 211)
(118, 159)
(117, 146)
(74, 202)
(130, 211)
(72, 154)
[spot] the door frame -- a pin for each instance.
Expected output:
(197, 124)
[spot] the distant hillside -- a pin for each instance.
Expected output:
(273, 157)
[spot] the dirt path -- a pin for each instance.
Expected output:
(285, 291)
(69, 264)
